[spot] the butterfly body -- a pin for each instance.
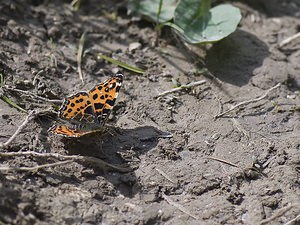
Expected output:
(87, 112)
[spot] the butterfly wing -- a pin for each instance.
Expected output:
(77, 108)
(103, 97)
(65, 131)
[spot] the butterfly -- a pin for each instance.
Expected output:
(87, 112)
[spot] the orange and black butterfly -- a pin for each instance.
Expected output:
(87, 112)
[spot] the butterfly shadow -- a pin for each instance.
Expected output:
(120, 148)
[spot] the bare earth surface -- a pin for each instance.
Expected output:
(166, 141)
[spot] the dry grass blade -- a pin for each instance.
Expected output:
(277, 214)
(289, 39)
(79, 56)
(165, 175)
(178, 206)
(192, 84)
(223, 161)
(246, 171)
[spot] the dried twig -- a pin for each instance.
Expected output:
(240, 128)
(30, 116)
(223, 161)
(32, 95)
(34, 168)
(289, 39)
(296, 219)
(178, 206)
(192, 84)
(248, 101)
(79, 56)
(220, 109)
(246, 171)
(165, 175)
(277, 214)
(89, 159)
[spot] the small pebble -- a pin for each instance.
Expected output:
(133, 46)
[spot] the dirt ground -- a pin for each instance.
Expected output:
(167, 141)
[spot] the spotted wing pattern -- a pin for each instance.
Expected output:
(77, 107)
(88, 107)
(103, 97)
(66, 131)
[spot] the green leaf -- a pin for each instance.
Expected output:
(197, 24)
(189, 12)
(151, 9)
(119, 63)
